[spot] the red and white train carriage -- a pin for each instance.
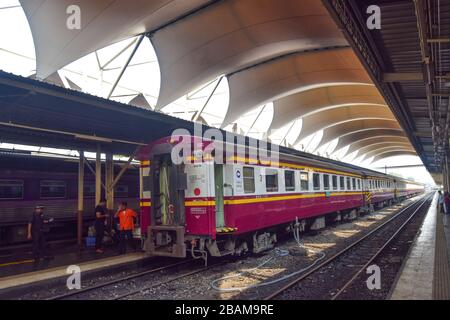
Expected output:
(202, 206)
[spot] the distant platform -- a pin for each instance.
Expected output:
(55, 273)
(425, 274)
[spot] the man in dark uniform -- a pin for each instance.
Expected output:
(100, 220)
(37, 227)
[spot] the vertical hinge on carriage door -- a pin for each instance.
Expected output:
(181, 186)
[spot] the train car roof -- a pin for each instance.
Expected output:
(26, 160)
(290, 154)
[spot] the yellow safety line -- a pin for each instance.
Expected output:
(199, 203)
(251, 161)
(202, 203)
(15, 263)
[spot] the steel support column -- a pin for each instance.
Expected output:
(125, 66)
(198, 114)
(109, 179)
(446, 178)
(98, 176)
(80, 199)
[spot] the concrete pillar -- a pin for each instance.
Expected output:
(80, 199)
(98, 176)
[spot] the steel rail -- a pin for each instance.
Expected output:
(115, 281)
(167, 281)
(346, 249)
(379, 251)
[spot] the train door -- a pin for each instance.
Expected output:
(218, 182)
(166, 233)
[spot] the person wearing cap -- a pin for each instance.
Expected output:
(37, 227)
(99, 225)
(126, 218)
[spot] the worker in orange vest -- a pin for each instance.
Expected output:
(126, 218)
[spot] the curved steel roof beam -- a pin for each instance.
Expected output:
(281, 77)
(233, 35)
(103, 22)
(350, 127)
(385, 149)
(339, 115)
(356, 145)
(393, 154)
(310, 101)
(368, 134)
(376, 146)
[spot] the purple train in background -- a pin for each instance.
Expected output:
(27, 180)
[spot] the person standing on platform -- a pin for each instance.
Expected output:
(38, 225)
(446, 202)
(99, 225)
(126, 225)
(440, 201)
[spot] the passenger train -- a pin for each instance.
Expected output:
(27, 181)
(204, 207)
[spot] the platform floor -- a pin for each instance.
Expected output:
(60, 271)
(63, 254)
(426, 272)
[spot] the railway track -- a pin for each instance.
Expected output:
(102, 286)
(146, 282)
(119, 288)
(352, 261)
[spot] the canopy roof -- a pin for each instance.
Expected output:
(383, 150)
(365, 143)
(360, 136)
(387, 154)
(376, 146)
(346, 128)
(310, 101)
(288, 52)
(343, 114)
(232, 35)
(289, 74)
(103, 22)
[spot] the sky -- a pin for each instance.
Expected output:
(17, 56)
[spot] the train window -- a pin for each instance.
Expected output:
(11, 189)
(121, 191)
(53, 189)
(89, 190)
(271, 180)
(316, 181)
(304, 181)
(359, 184)
(349, 187)
(326, 182)
(249, 180)
(342, 183)
(334, 182)
(289, 180)
(353, 183)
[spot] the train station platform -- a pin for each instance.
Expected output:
(425, 274)
(60, 272)
(65, 252)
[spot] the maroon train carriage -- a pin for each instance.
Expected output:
(206, 207)
(26, 181)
